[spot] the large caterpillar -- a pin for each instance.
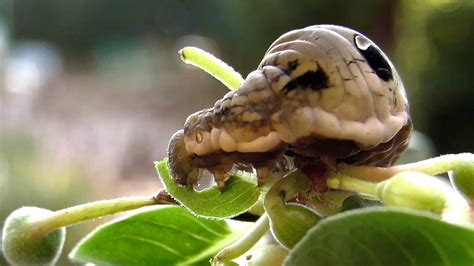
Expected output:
(323, 93)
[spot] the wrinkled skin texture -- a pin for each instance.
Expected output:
(326, 94)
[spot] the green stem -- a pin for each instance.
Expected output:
(212, 65)
(348, 183)
(368, 173)
(246, 242)
(88, 211)
(437, 165)
(434, 166)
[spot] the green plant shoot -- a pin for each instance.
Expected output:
(212, 65)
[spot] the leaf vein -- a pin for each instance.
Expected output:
(242, 194)
(154, 243)
(364, 247)
(180, 230)
(204, 226)
(399, 245)
(436, 247)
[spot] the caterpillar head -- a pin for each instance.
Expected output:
(180, 162)
(196, 136)
(197, 131)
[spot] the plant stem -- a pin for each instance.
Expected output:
(80, 213)
(437, 165)
(212, 65)
(431, 166)
(348, 183)
(246, 242)
(368, 173)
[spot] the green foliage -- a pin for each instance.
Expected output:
(157, 236)
(173, 235)
(385, 236)
(289, 222)
(240, 194)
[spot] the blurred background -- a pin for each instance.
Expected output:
(91, 91)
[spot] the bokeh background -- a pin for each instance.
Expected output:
(91, 91)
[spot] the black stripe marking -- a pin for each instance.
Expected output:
(314, 80)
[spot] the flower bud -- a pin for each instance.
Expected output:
(413, 190)
(21, 244)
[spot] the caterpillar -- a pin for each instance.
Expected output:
(323, 93)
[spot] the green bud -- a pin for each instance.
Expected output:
(462, 179)
(413, 190)
(22, 244)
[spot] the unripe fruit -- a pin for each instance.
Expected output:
(22, 242)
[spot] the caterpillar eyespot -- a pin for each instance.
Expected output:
(323, 93)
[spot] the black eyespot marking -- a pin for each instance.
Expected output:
(373, 56)
(314, 80)
(384, 74)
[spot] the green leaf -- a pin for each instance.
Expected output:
(289, 222)
(161, 235)
(384, 236)
(239, 195)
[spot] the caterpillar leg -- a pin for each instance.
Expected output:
(279, 165)
(317, 175)
(221, 174)
(262, 174)
(315, 170)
